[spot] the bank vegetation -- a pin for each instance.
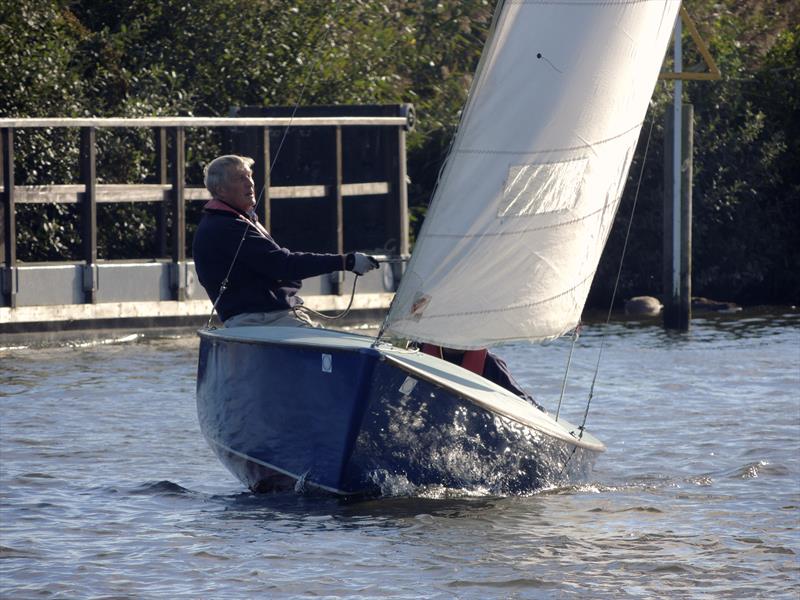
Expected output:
(134, 58)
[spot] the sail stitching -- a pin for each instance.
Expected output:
(550, 151)
(583, 2)
(512, 307)
(519, 231)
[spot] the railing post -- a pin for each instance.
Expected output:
(262, 176)
(162, 177)
(337, 204)
(8, 247)
(397, 202)
(178, 137)
(88, 173)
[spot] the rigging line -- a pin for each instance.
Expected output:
(352, 296)
(332, 317)
(616, 282)
(224, 285)
(575, 335)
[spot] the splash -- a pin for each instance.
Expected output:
(470, 453)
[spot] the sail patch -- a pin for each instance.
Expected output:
(421, 301)
(541, 188)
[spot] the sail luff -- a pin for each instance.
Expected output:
(527, 198)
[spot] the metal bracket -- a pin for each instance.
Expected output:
(177, 279)
(8, 280)
(90, 278)
(407, 111)
(399, 268)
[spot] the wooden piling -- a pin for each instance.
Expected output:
(678, 284)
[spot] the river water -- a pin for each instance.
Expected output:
(107, 489)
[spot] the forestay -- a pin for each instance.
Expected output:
(526, 200)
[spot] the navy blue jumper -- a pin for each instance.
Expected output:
(265, 276)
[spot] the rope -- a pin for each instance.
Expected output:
(582, 426)
(616, 281)
(575, 335)
(342, 314)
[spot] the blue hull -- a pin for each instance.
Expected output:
(347, 419)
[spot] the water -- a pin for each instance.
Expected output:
(107, 489)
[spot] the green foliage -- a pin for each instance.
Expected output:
(745, 193)
(171, 57)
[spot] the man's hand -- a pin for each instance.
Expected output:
(360, 263)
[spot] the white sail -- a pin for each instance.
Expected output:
(525, 203)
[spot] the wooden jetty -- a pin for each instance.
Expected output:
(331, 160)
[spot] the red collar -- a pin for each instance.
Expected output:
(215, 204)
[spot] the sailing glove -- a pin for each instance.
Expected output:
(360, 263)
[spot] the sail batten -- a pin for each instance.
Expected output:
(529, 192)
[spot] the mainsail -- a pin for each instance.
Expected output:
(528, 195)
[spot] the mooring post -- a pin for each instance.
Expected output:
(678, 222)
(677, 201)
(8, 246)
(88, 173)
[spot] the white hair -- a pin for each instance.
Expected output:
(217, 173)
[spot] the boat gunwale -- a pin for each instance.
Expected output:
(569, 438)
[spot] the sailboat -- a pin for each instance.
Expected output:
(507, 252)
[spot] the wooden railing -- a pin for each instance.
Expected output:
(170, 190)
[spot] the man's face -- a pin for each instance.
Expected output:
(239, 192)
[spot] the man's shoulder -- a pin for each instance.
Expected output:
(221, 218)
(225, 214)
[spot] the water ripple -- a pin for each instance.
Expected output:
(108, 490)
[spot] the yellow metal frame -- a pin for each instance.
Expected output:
(713, 71)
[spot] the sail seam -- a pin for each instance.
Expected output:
(583, 2)
(512, 307)
(519, 231)
(549, 151)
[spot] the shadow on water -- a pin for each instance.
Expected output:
(302, 507)
(756, 322)
(359, 511)
(310, 503)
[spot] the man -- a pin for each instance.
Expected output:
(230, 247)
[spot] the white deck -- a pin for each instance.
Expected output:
(464, 383)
